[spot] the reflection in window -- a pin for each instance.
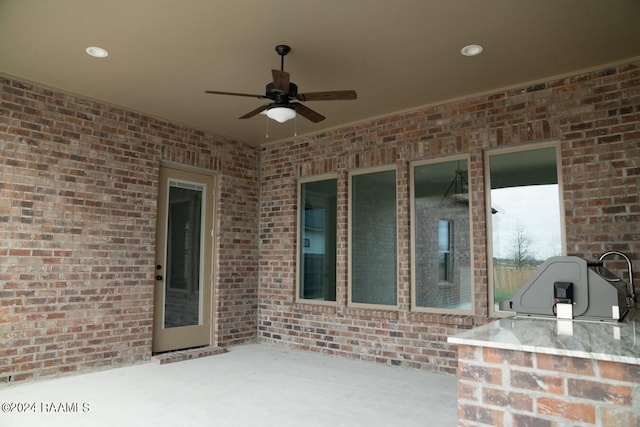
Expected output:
(184, 237)
(373, 238)
(525, 216)
(317, 248)
(444, 250)
(441, 241)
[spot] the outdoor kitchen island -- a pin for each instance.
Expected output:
(525, 371)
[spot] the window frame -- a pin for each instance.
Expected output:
(300, 240)
(413, 256)
(350, 303)
(523, 148)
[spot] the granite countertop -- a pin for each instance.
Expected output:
(616, 342)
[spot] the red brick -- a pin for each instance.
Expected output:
(620, 371)
(480, 415)
(537, 382)
(571, 365)
(526, 420)
(512, 358)
(566, 410)
(481, 374)
(507, 399)
(468, 391)
(600, 392)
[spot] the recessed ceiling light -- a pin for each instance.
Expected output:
(471, 50)
(97, 52)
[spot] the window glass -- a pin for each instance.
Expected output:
(373, 238)
(441, 236)
(525, 217)
(184, 240)
(317, 240)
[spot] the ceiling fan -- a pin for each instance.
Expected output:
(282, 92)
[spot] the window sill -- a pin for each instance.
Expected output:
(464, 319)
(391, 313)
(311, 306)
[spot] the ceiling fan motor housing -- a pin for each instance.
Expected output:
(278, 95)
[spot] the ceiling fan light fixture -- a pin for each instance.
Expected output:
(281, 114)
(471, 50)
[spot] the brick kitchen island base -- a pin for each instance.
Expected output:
(539, 373)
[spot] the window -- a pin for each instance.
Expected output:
(441, 236)
(317, 240)
(524, 216)
(373, 238)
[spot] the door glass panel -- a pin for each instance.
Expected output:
(184, 238)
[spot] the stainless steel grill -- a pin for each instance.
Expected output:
(570, 287)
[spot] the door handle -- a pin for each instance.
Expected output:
(159, 267)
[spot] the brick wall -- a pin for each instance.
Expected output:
(513, 388)
(595, 116)
(78, 193)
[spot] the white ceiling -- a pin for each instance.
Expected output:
(398, 55)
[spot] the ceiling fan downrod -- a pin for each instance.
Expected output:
(282, 50)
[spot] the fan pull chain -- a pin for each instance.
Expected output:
(295, 126)
(267, 127)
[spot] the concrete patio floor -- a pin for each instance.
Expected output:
(251, 385)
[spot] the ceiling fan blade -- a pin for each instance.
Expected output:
(215, 92)
(308, 113)
(334, 95)
(254, 112)
(280, 80)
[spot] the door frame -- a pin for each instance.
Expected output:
(177, 338)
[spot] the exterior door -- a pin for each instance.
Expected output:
(184, 260)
